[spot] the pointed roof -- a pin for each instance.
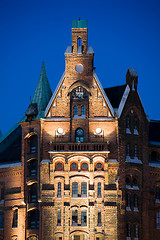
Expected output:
(42, 93)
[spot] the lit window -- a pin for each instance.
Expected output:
(74, 189)
(59, 190)
(59, 218)
(75, 110)
(99, 190)
(83, 110)
(74, 218)
(99, 219)
(83, 218)
(15, 219)
(158, 219)
(83, 189)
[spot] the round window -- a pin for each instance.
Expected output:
(74, 165)
(79, 68)
(59, 165)
(84, 165)
(99, 166)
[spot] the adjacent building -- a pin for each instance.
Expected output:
(84, 162)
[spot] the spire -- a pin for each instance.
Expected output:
(42, 93)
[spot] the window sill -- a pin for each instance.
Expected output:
(128, 131)
(128, 208)
(134, 160)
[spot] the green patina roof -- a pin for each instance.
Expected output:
(79, 23)
(42, 93)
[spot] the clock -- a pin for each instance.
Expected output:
(79, 68)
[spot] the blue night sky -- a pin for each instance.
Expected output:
(123, 34)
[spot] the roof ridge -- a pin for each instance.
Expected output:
(116, 86)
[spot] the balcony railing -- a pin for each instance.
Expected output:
(78, 146)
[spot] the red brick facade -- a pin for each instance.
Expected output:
(88, 169)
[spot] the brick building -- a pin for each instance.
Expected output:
(83, 163)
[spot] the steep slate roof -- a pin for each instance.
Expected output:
(10, 143)
(42, 93)
(115, 94)
(154, 131)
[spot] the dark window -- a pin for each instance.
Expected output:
(136, 231)
(83, 110)
(33, 219)
(128, 230)
(33, 144)
(128, 150)
(127, 122)
(99, 219)
(154, 156)
(79, 135)
(83, 189)
(59, 190)
(84, 218)
(33, 167)
(157, 193)
(135, 150)
(99, 190)
(135, 123)
(135, 198)
(33, 193)
(128, 200)
(135, 182)
(59, 218)
(15, 219)
(158, 219)
(75, 110)
(2, 193)
(127, 181)
(74, 218)
(1, 219)
(74, 189)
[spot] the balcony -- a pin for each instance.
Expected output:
(78, 146)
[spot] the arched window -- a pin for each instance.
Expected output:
(83, 189)
(75, 110)
(128, 150)
(99, 190)
(135, 150)
(79, 42)
(74, 189)
(128, 182)
(99, 219)
(79, 135)
(83, 110)
(74, 166)
(135, 123)
(15, 219)
(135, 199)
(127, 122)
(128, 201)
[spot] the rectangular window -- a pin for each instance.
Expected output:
(59, 218)
(135, 150)
(59, 190)
(15, 219)
(74, 189)
(83, 110)
(74, 218)
(136, 231)
(83, 218)
(1, 219)
(128, 150)
(158, 219)
(127, 122)
(83, 189)
(99, 219)
(99, 190)
(75, 110)
(128, 230)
